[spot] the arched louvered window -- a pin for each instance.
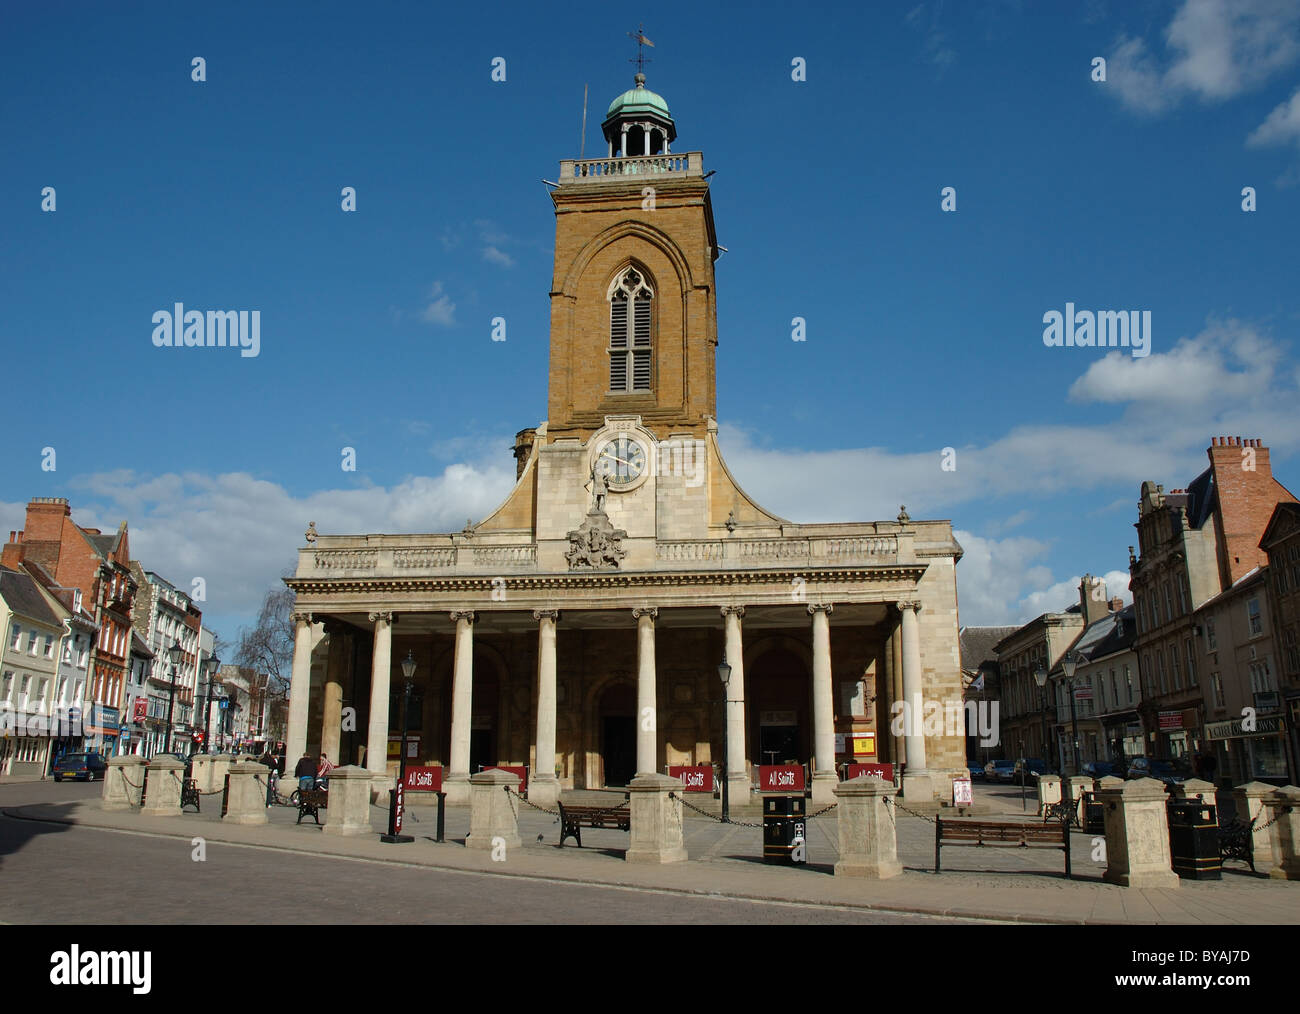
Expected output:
(630, 303)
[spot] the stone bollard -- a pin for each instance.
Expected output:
(1049, 792)
(1193, 789)
(1072, 790)
(348, 812)
(124, 782)
(1107, 782)
(1137, 835)
(1250, 806)
(492, 812)
(246, 801)
(1283, 807)
(162, 794)
(868, 838)
(656, 835)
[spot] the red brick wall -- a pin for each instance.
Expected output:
(1247, 498)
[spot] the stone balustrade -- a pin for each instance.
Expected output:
(595, 170)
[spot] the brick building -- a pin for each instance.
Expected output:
(98, 565)
(1194, 544)
(1281, 543)
(578, 629)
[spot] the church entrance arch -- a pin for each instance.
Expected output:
(616, 727)
(778, 688)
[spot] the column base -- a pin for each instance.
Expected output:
(739, 790)
(380, 787)
(918, 787)
(457, 788)
(823, 788)
(1147, 878)
(869, 870)
(544, 791)
(656, 856)
(1285, 872)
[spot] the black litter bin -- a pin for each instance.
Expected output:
(783, 830)
(1194, 839)
(1094, 817)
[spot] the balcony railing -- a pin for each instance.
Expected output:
(595, 170)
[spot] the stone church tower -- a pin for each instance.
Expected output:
(576, 632)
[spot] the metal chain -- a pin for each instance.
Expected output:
(824, 809)
(131, 783)
(895, 802)
(706, 813)
(526, 802)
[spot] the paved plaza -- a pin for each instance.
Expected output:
(1004, 884)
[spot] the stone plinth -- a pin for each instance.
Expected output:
(209, 770)
(246, 801)
(868, 839)
(1049, 791)
(1193, 789)
(124, 783)
(1073, 787)
(457, 788)
(823, 788)
(1250, 804)
(348, 812)
(918, 788)
(492, 810)
(162, 795)
(544, 790)
(1284, 834)
(656, 835)
(1137, 835)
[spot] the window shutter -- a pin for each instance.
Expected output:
(618, 322)
(618, 371)
(641, 371)
(641, 325)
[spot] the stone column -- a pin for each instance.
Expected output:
(646, 717)
(331, 732)
(162, 794)
(348, 811)
(492, 812)
(737, 772)
(623, 147)
(868, 839)
(1137, 835)
(295, 743)
(1072, 789)
(381, 674)
(456, 784)
(824, 778)
(645, 135)
(1283, 807)
(917, 784)
(544, 787)
(124, 782)
(1049, 791)
(656, 824)
(246, 801)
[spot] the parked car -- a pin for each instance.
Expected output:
(1162, 770)
(976, 772)
(1101, 769)
(1033, 767)
(81, 767)
(1000, 771)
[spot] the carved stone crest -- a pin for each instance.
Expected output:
(596, 543)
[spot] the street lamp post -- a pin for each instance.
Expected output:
(1070, 663)
(214, 664)
(1040, 677)
(174, 655)
(724, 674)
(397, 799)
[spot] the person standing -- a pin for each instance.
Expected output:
(305, 772)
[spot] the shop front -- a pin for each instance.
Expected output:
(1251, 749)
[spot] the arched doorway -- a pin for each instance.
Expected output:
(616, 714)
(778, 686)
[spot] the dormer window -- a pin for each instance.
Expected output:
(630, 303)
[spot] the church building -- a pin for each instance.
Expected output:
(578, 629)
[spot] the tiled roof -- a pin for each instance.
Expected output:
(977, 644)
(23, 596)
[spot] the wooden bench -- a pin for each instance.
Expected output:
(573, 818)
(310, 802)
(987, 832)
(190, 795)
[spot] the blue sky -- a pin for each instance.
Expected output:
(924, 327)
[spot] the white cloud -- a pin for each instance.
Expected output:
(494, 256)
(1213, 50)
(1282, 126)
(442, 310)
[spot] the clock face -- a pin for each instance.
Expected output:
(621, 460)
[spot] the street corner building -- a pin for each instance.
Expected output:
(577, 631)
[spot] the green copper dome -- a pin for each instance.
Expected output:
(639, 100)
(639, 111)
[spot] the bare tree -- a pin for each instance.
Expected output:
(268, 646)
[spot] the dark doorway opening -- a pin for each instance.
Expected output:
(480, 750)
(619, 749)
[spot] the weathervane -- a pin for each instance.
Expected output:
(641, 42)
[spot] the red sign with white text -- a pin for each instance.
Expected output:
(424, 779)
(695, 779)
(885, 771)
(780, 778)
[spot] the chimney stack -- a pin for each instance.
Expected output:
(1092, 599)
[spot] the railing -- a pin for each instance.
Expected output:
(423, 559)
(574, 170)
(505, 556)
(347, 559)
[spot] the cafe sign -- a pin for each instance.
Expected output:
(1232, 729)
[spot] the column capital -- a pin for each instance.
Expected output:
(737, 611)
(546, 614)
(651, 611)
(302, 618)
(464, 614)
(388, 617)
(913, 604)
(826, 607)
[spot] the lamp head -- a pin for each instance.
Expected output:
(724, 671)
(408, 665)
(1069, 664)
(1040, 677)
(175, 653)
